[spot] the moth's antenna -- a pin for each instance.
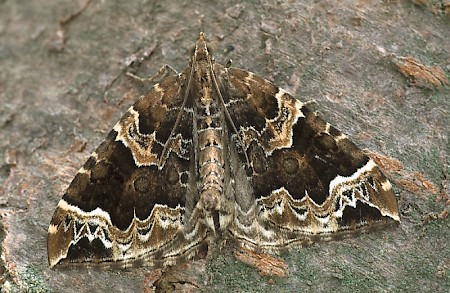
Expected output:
(227, 114)
(180, 113)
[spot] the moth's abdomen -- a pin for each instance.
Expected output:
(211, 164)
(210, 150)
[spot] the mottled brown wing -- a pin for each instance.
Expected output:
(126, 205)
(308, 180)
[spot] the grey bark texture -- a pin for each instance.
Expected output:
(63, 87)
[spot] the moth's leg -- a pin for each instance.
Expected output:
(229, 63)
(162, 73)
(310, 102)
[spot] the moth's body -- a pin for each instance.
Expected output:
(209, 153)
(210, 130)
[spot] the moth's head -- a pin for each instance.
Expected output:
(201, 50)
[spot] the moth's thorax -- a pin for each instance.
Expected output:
(202, 75)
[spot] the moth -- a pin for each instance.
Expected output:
(215, 152)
